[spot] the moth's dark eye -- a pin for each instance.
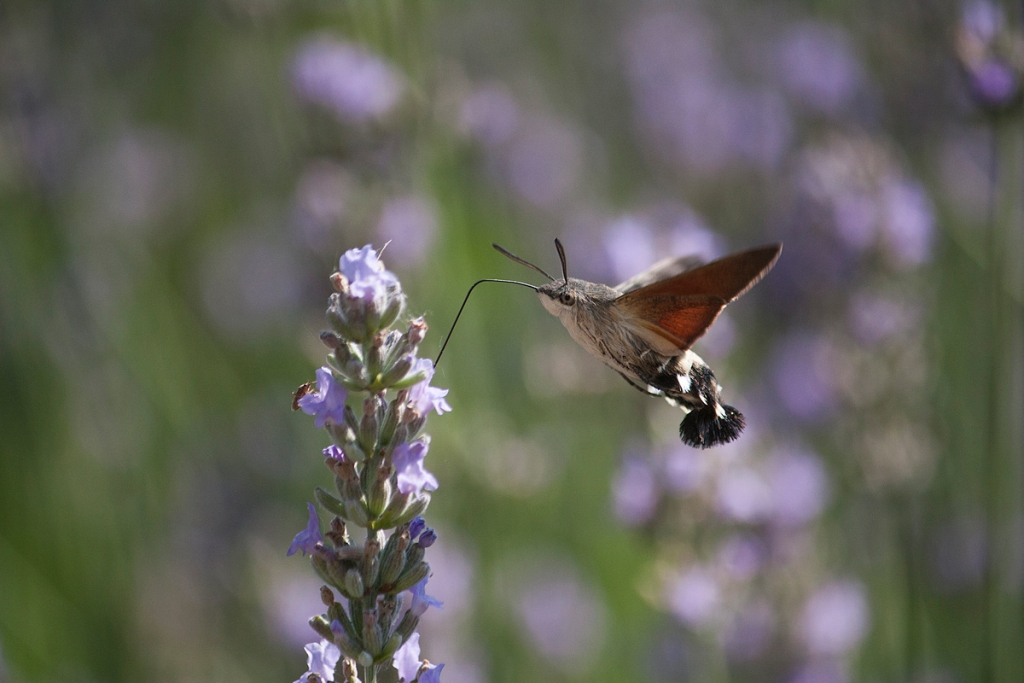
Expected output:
(567, 299)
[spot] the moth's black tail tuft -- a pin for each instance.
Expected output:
(702, 428)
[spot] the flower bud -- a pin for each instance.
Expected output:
(392, 416)
(389, 649)
(427, 539)
(372, 637)
(407, 625)
(416, 506)
(354, 585)
(328, 502)
(388, 608)
(393, 558)
(331, 340)
(347, 645)
(349, 673)
(339, 282)
(397, 370)
(355, 512)
(320, 625)
(380, 492)
(326, 596)
(338, 617)
(338, 534)
(414, 554)
(370, 564)
(413, 575)
(417, 330)
(394, 306)
(368, 426)
(364, 659)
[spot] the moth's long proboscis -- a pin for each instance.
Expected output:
(466, 300)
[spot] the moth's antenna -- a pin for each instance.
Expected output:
(524, 262)
(561, 256)
(464, 301)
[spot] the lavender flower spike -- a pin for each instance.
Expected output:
(307, 539)
(327, 403)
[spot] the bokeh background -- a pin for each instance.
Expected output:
(178, 179)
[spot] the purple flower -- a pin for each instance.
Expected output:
(407, 659)
(351, 81)
(412, 476)
(421, 601)
(366, 275)
(327, 402)
(984, 19)
(818, 65)
(994, 82)
(910, 222)
(335, 452)
(635, 490)
(428, 538)
(321, 659)
(835, 619)
(695, 597)
(422, 396)
(416, 527)
(432, 674)
(307, 539)
(409, 225)
(799, 487)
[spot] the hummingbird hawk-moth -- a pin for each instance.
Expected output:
(644, 327)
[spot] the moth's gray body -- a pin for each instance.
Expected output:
(644, 360)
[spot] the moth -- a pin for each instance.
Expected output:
(644, 328)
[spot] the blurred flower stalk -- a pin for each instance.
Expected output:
(375, 587)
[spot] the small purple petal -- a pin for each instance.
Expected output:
(412, 477)
(321, 659)
(335, 452)
(428, 538)
(432, 674)
(424, 397)
(420, 600)
(366, 275)
(354, 83)
(407, 658)
(327, 402)
(307, 539)
(416, 527)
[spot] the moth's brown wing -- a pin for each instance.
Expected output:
(662, 270)
(727, 278)
(670, 324)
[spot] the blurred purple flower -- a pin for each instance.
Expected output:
(855, 214)
(763, 127)
(873, 319)
(741, 557)
(750, 632)
(563, 618)
(412, 476)
(407, 658)
(490, 115)
(743, 495)
(367, 277)
(994, 82)
(629, 243)
(835, 618)
(424, 397)
(817, 63)
(694, 597)
(543, 162)
(420, 600)
(803, 376)
(407, 225)
(689, 236)
(909, 222)
(635, 491)
(348, 79)
(307, 539)
(799, 487)
(327, 403)
(684, 469)
(982, 18)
